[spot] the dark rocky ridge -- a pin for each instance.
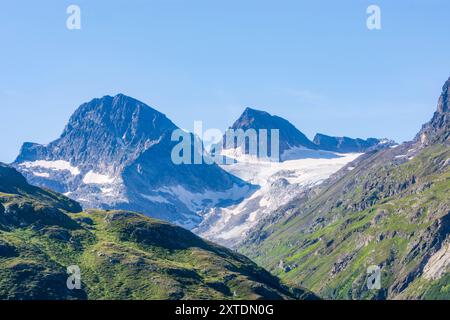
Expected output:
(438, 129)
(347, 145)
(12, 182)
(290, 137)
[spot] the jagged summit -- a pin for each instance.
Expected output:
(251, 112)
(438, 128)
(121, 112)
(444, 100)
(289, 136)
(104, 130)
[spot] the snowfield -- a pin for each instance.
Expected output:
(96, 178)
(58, 165)
(279, 182)
(198, 202)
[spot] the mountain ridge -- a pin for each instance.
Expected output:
(347, 145)
(291, 139)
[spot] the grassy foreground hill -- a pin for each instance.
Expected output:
(121, 255)
(389, 208)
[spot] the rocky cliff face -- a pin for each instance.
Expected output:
(438, 129)
(115, 153)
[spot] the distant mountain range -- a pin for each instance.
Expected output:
(292, 140)
(388, 208)
(115, 153)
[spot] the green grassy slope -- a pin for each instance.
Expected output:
(121, 255)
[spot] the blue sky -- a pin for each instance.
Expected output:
(312, 62)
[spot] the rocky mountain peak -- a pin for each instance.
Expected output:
(444, 99)
(122, 116)
(116, 153)
(437, 130)
(289, 136)
(104, 132)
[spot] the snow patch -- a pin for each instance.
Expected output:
(157, 198)
(41, 174)
(58, 165)
(96, 178)
(107, 191)
(200, 201)
(303, 171)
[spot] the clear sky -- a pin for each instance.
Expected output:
(312, 62)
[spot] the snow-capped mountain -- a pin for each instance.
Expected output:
(115, 153)
(293, 144)
(300, 166)
(263, 124)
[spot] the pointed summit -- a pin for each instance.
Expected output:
(104, 131)
(249, 112)
(444, 99)
(290, 137)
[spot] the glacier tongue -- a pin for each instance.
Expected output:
(279, 182)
